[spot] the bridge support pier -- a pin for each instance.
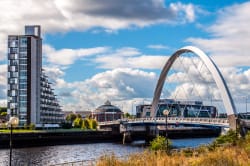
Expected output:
(243, 128)
(126, 137)
(233, 122)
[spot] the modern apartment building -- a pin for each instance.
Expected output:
(30, 96)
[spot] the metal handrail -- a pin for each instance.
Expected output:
(178, 119)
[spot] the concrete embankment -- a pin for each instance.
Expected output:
(174, 133)
(48, 138)
(57, 138)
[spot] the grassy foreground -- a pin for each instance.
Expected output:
(225, 151)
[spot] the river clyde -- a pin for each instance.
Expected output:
(53, 155)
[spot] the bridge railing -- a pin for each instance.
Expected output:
(246, 122)
(170, 119)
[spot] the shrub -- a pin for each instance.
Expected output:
(66, 125)
(3, 114)
(93, 124)
(78, 123)
(160, 143)
(86, 124)
(32, 126)
(188, 152)
(230, 138)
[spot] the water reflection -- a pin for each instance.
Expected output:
(42, 156)
(51, 155)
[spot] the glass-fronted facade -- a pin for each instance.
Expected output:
(30, 96)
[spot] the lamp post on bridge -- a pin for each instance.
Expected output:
(133, 108)
(166, 113)
(246, 102)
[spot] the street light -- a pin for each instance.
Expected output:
(13, 121)
(246, 103)
(166, 112)
(133, 107)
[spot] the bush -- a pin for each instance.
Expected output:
(188, 152)
(93, 124)
(160, 143)
(3, 114)
(86, 124)
(71, 117)
(66, 125)
(230, 138)
(32, 126)
(78, 123)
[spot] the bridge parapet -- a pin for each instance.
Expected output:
(222, 121)
(162, 120)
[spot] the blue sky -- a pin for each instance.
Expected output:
(98, 50)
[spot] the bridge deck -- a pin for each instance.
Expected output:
(220, 122)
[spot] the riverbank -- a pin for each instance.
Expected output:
(60, 137)
(226, 150)
(31, 138)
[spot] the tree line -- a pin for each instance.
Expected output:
(76, 121)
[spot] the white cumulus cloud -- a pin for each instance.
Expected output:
(67, 56)
(230, 36)
(65, 15)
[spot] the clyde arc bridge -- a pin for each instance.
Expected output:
(201, 72)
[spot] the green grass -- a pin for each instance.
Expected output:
(37, 131)
(19, 131)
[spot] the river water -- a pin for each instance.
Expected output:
(52, 155)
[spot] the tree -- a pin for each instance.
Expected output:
(32, 126)
(127, 115)
(3, 114)
(93, 124)
(78, 123)
(3, 109)
(78, 115)
(71, 117)
(86, 124)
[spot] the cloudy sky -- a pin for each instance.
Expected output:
(98, 50)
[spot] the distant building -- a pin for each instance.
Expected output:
(30, 95)
(107, 112)
(178, 108)
(84, 114)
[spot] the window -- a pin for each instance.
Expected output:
(23, 92)
(23, 41)
(23, 86)
(13, 93)
(23, 67)
(22, 80)
(23, 109)
(13, 43)
(13, 56)
(14, 86)
(12, 68)
(23, 73)
(14, 62)
(23, 49)
(13, 74)
(13, 80)
(23, 55)
(23, 61)
(23, 103)
(147, 114)
(23, 98)
(13, 50)
(23, 116)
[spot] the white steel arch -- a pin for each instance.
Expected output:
(217, 76)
